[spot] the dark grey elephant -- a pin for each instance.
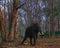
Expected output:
(31, 33)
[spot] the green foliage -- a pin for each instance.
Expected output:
(56, 9)
(46, 11)
(0, 35)
(57, 33)
(20, 36)
(46, 33)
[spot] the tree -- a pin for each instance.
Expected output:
(13, 19)
(51, 5)
(3, 27)
(56, 11)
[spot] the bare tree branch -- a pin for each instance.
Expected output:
(20, 6)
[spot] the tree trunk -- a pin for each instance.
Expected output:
(12, 23)
(51, 5)
(13, 20)
(5, 11)
(58, 23)
(16, 30)
(2, 26)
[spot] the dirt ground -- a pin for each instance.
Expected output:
(41, 43)
(53, 46)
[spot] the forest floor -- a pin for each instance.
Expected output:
(41, 43)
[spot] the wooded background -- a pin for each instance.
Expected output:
(16, 15)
